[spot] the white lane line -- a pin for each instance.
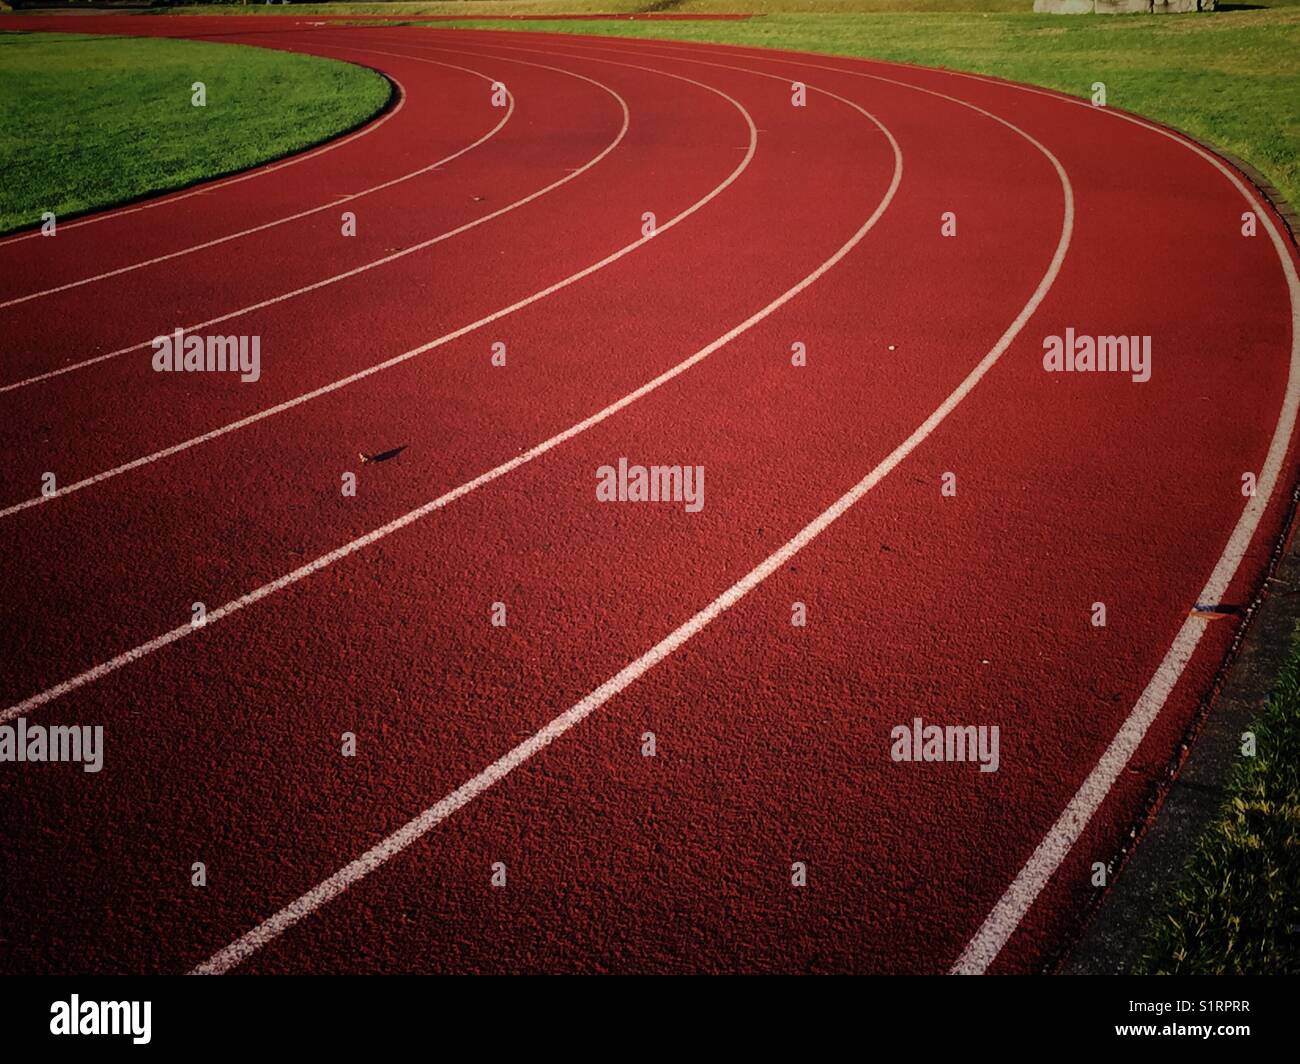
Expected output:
(1020, 895)
(329, 205)
(242, 948)
(167, 638)
(165, 199)
(1011, 909)
(71, 367)
(447, 338)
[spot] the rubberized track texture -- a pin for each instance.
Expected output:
(942, 513)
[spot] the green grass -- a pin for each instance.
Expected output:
(470, 8)
(1237, 909)
(90, 121)
(435, 7)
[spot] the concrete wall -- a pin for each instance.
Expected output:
(1121, 7)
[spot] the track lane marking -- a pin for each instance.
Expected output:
(414, 352)
(179, 253)
(1010, 910)
(180, 632)
(239, 950)
(271, 928)
(242, 948)
(1014, 905)
(364, 266)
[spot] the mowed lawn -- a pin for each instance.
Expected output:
(88, 121)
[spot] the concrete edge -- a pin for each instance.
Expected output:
(1192, 792)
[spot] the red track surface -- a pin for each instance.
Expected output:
(773, 741)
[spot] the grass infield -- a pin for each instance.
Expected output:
(89, 121)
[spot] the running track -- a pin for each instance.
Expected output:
(522, 745)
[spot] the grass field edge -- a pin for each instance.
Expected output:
(390, 102)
